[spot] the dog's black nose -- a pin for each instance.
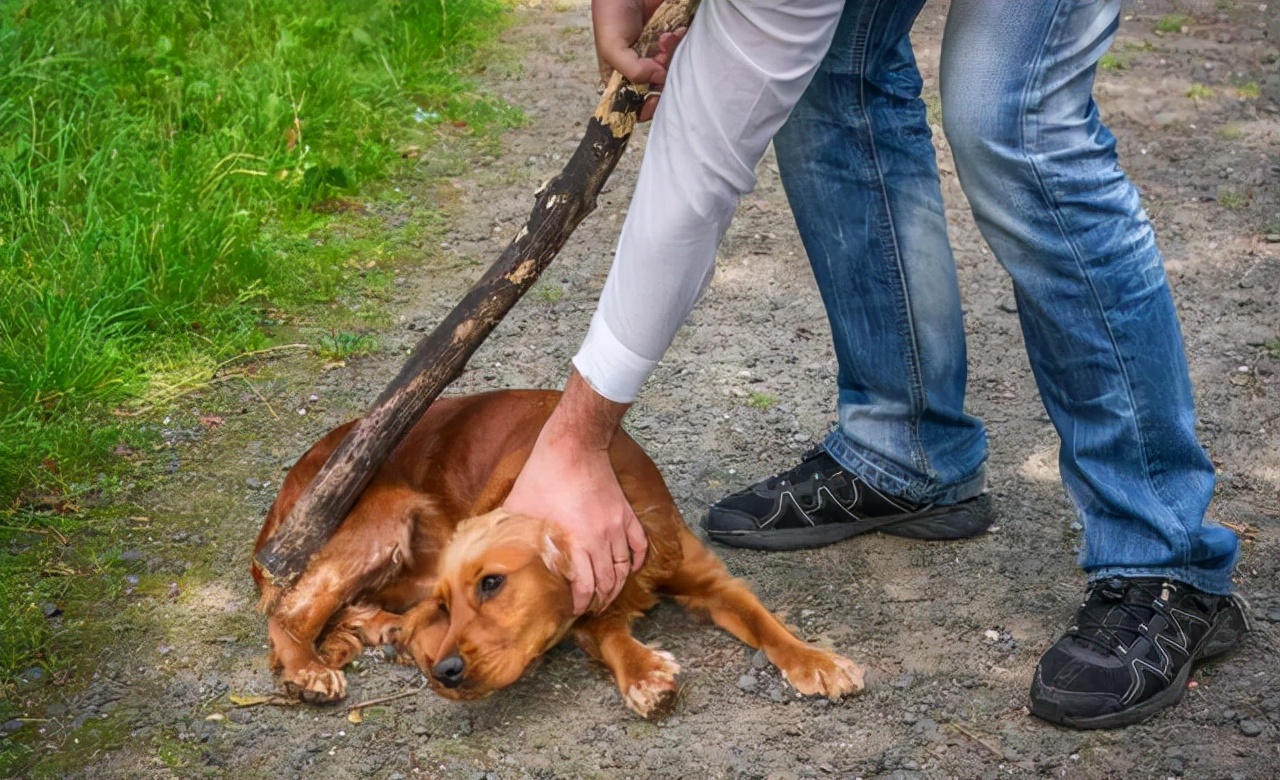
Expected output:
(448, 672)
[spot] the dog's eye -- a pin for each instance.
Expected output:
(490, 584)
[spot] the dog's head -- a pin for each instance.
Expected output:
(502, 599)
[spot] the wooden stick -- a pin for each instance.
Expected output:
(385, 699)
(559, 205)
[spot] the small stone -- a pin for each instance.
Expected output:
(747, 683)
(253, 483)
(11, 726)
(1273, 238)
(777, 696)
(905, 681)
(50, 610)
(1250, 727)
(32, 677)
(240, 716)
(130, 555)
(759, 660)
(420, 731)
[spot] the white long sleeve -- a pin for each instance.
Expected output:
(733, 82)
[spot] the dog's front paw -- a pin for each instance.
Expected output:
(821, 672)
(339, 648)
(316, 683)
(654, 693)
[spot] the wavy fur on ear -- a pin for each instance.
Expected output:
(553, 554)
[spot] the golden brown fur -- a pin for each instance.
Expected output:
(474, 601)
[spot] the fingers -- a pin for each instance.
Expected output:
(667, 43)
(649, 108)
(620, 568)
(600, 572)
(608, 576)
(617, 25)
(637, 542)
(583, 580)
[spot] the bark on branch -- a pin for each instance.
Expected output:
(559, 206)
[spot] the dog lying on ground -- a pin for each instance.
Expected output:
(427, 561)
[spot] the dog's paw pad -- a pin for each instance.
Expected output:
(824, 673)
(316, 683)
(655, 693)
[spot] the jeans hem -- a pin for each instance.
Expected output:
(1197, 578)
(893, 481)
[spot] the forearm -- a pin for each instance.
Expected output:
(583, 419)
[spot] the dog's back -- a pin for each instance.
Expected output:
(464, 452)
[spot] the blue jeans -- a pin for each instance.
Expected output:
(1039, 169)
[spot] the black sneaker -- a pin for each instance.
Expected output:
(818, 503)
(1131, 650)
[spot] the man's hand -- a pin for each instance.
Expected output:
(569, 480)
(617, 25)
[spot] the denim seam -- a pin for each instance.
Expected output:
(1194, 577)
(887, 228)
(1046, 193)
(887, 477)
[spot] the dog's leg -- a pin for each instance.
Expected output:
(371, 544)
(703, 584)
(355, 628)
(646, 677)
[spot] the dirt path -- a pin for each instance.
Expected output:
(952, 631)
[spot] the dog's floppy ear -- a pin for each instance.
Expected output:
(553, 553)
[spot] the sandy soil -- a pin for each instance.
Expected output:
(951, 631)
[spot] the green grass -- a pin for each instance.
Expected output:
(1232, 198)
(159, 165)
(336, 346)
(761, 400)
(177, 180)
(1112, 61)
(1231, 132)
(1172, 23)
(1198, 92)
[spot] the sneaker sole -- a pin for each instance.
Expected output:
(954, 521)
(1224, 637)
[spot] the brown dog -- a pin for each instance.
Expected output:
(475, 601)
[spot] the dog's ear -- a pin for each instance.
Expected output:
(554, 557)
